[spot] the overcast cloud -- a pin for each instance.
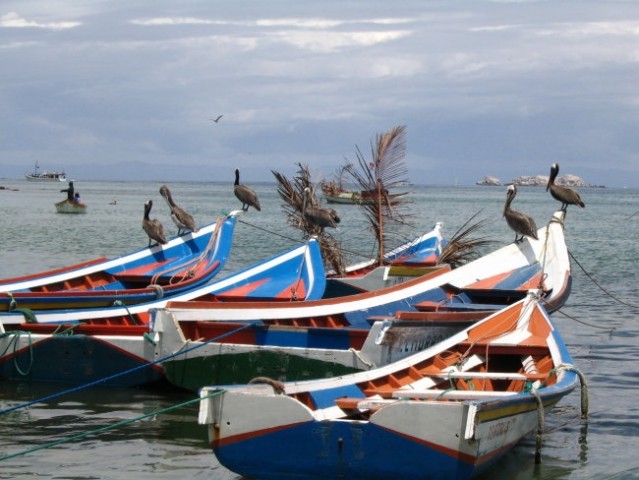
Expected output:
(126, 90)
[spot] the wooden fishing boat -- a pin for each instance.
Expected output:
(231, 342)
(81, 345)
(161, 271)
(68, 206)
(450, 411)
(416, 257)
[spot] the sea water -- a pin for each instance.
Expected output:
(599, 323)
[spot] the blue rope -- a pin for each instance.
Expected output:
(120, 374)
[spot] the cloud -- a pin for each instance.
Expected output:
(13, 20)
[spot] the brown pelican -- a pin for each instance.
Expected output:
(567, 196)
(153, 228)
(522, 224)
(320, 217)
(182, 219)
(245, 194)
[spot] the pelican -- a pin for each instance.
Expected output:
(320, 217)
(522, 224)
(182, 219)
(245, 194)
(567, 196)
(153, 228)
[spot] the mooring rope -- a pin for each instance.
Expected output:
(539, 437)
(106, 428)
(631, 305)
(14, 342)
(192, 262)
(295, 240)
(583, 322)
(125, 372)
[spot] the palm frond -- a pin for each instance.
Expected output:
(463, 247)
(376, 179)
(292, 194)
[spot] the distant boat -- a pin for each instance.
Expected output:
(45, 176)
(67, 206)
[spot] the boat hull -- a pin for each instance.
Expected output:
(407, 442)
(73, 359)
(449, 411)
(67, 206)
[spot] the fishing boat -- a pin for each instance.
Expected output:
(160, 271)
(69, 206)
(450, 411)
(115, 346)
(231, 342)
(37, 176)
(343, 197)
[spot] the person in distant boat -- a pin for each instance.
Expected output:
(76, 197)
(70, 192)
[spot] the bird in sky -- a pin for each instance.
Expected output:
(216, 119)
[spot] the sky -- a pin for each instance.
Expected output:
(126, 90)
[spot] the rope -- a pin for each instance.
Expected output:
(540, 427)
(295, 241)
(543, 275)
(28, 314)
(293, 296)
(120, 303)
(584, 386)
(126, 372)
(631, 305)
(159, 291)
(109, 427)
(583, 322)
(14, 342)
(193, 263)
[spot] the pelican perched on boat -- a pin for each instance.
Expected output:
(320, 217)
(245, 194)
(182, 219)
(520, 223)
(153, 228)
(567, 196)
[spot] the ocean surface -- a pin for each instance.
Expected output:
(599, 323)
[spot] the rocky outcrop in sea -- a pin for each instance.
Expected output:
(539, 181)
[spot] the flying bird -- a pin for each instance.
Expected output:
(567, 196)
(520, 223)
(153, 228)
(320, 217)
(216, 119)
(245, 194)
(182, 219)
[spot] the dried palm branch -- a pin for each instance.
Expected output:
(383, 208)
(292, 194)
(463, 247)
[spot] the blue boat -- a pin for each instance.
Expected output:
(161, 271)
